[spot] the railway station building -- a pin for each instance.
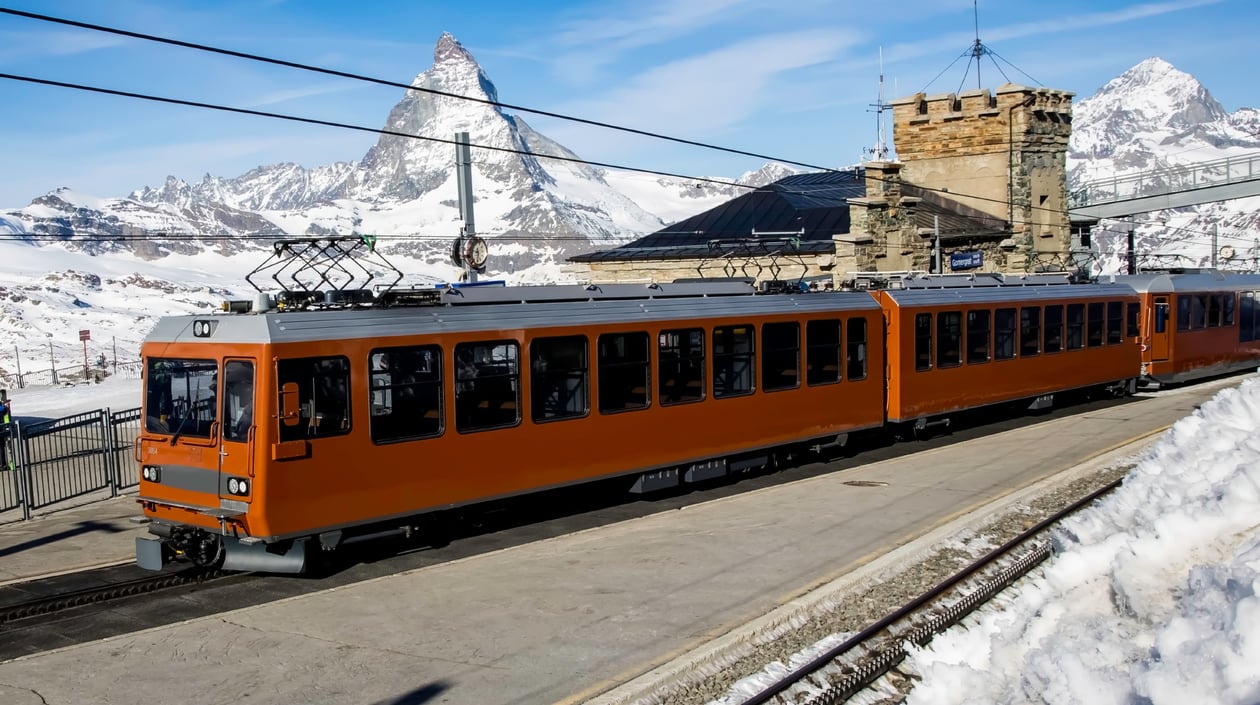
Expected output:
(982, 173)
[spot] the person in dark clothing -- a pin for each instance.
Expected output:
(6, 422)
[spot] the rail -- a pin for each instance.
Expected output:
(860, 660)
(1169, 179)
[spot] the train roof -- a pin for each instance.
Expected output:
(514, 309)
(923, 289)
(1011, 295)
(1189, 281)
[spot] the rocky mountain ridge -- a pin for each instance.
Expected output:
(70, 261)
(1157, 120)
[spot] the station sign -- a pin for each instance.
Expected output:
(965, 260)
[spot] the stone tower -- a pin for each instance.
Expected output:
(1004, 154)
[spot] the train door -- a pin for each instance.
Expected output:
(1159, 329)
(235, 456)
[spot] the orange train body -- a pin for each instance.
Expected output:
(269, 433)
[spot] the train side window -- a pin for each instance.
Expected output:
(624, 371)
(1029, 331)
(857, 349)
(487, 385)
(1054, 329)
(405, 388)
(1227, 313)
(323, 396)
(1247, 317)
(1095, 324)
(1183, 311)
(822, 352)
(922, 341)
(1131, 320)
(1255, 314)
(1075, 326)
(977, 336)
(733, 360)
(1004, 333)
(1214, 307)
(559, 378)
(1115, 322)
(780, 356)
(681, 366)
(1198, 312)
(948, 339)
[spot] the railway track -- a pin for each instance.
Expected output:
(846, 669)
(75, 607)
(37, 598)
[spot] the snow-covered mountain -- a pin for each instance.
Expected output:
(403, 190)
(70, 261)
(1155, 119)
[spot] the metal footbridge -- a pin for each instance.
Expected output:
(1174, 186)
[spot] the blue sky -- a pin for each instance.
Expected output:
(794, 80)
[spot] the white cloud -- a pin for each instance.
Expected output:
(707, 93)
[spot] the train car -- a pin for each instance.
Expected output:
(958, 342)
(271, 432)
(1215, 329)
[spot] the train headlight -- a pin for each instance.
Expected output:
(152, 473)
(238, 486)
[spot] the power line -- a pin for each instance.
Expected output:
(348, 126)
(369, 79)
(394, 84)
(409, 87)
(382, 131)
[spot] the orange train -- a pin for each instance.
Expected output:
(302, 426)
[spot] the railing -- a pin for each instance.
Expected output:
(1179, 177)
(69, 375)
(86, 456)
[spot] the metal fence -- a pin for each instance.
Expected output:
(76, 457)
(1166, 179)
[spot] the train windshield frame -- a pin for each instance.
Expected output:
(180, 396)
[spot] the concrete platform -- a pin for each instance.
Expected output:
(560, 620)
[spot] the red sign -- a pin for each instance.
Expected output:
(85, 335)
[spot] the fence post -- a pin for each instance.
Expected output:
(107, 449)
(23, 472)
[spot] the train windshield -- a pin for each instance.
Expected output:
(179, 396)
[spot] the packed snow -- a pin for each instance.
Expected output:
(1154, 593)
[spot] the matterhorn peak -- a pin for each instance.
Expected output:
(449, 49)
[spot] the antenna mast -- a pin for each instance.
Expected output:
(880, 150)
(977, 50)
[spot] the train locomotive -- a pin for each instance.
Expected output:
(308, 422)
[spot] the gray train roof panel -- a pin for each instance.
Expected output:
(1205, 281)
(1005, 294)
(498, 319)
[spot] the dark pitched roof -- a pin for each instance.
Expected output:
(956, 220)
(816, 203)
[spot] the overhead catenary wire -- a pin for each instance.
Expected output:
(390, 83)
(451, 141)
(407, 86)
(332, 72)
